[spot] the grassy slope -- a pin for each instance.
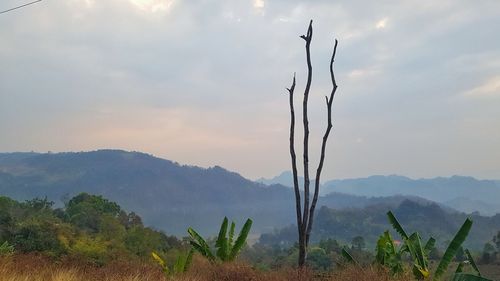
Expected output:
(34, 268)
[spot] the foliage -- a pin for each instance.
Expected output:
(491, 250)
(452, 249)
(390, 256)
(318, 259)
(358, 243)
(369, 222)
(89, 228)
(347, 256)
(6, 249)
(460, 275)
(227, 248)
(387, 254)
(181, 264)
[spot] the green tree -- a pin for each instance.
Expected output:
(318, 259)
(330, 246)
(86, 211)
(358, 243)
(38, 237)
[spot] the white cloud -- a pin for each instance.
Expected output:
(153, 5)
(489, 88)
(362, 73)
(258, 4)
(381, 24)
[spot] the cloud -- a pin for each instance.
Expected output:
(202, 82)
(489, 88)
(381, 24)
(258, 4)
(153, 5)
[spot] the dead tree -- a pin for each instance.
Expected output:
(305, 212)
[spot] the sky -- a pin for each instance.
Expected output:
(203, 82)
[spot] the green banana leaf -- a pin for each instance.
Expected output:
(222, 243)
(460, 267)
(348, 256)
(397, 226)
(452, 249)
(419, 255)
(231, 235)
(179, 264)
(384, 248)
(429, 245)
(472, 262)
(241, 240)
(387, 255)
(200, 245)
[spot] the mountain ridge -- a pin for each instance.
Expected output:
(168, 195)
(464, 193)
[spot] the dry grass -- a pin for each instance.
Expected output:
(36, 268)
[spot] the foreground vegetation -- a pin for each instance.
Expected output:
(89, 228)
(37, 268)
(91, 238)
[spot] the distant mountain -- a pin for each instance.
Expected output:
(428, 218)
(481, 195)
(465, 194)
(470, 206)
(338, 201)
(285, 178)
(167, 195)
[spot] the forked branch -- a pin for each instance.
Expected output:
(293, 155)
(305, 213)
(329, 102)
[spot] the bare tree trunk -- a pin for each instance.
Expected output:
(329, 102)
(294, 167)
(305, 217)
(305, 121)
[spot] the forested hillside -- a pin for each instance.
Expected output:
(167, 195)
(89, 228)
(429, 219)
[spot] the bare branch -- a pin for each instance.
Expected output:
(306, 129)
(323, 145)
(294, 157)
(308, 35)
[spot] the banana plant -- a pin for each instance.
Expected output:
(452, 249)
(388, 255)
(413, 246)
(181, 265)
(347, 256)
(460, 275)
(420, 255)
(226, 248)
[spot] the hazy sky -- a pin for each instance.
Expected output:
(203, 82)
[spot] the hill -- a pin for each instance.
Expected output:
(462, 193)
(167, 195)
(429, 219)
